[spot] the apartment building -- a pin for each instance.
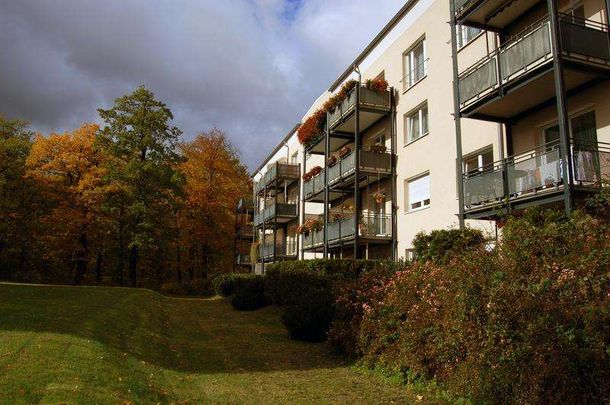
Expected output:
(543, 77)
(244, 234)
(446, 144)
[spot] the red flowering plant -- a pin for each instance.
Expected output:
(312, 173)
(344, 151)
(354, 297)
(378, 84)
(332, 160)
(312, 128)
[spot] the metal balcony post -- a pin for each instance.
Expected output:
(326, 187)
(393, 209)
(456, 117)
(302, 213)
(357, 171)
(562, 113)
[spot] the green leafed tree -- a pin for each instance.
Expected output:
(19, 200)
(142, 177)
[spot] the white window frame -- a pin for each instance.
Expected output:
(408, 58)
(479, 155)
(408, 136)
(462, 35)
(424, 205)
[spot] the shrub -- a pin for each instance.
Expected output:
(224, 284)
(309, 318)
(249, 293)
(354, 296)
(441, 245)
(525, 323)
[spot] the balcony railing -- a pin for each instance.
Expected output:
(537, 171)
(245, 205)
(531, 48)
(275, 210)
(376, 226)
(313, 239)
(314, 186)
(243, 259)
(282, 248)
(282, 171)
(342, 228)
(369, 161)
(369, 98)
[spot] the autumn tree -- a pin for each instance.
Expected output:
(215, 181)
(68, 170)
(19, 201)
(141, 171)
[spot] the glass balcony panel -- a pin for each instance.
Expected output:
(348, 164)
(478, 79)
(524, 52)
(375, 161)
(591, 166)
(584, 37)
(376, 226)
(483, 187)
(535, 172)
(376, 98)
(308, 188)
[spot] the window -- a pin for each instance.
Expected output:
(294, 158)
(418, 193)
(416, 124)
(576, 11)
(414, 64)
(466, 34)
(410, 254)
(479, 161)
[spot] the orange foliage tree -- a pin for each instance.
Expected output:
(215, 181)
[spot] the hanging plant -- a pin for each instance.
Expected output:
(312, 173)
(379, 196)
(378, 84)
(332, 160)
(344, 151)
(378, 148)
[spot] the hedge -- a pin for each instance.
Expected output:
(249, 293)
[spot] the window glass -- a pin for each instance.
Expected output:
(418, 193)
(415, 64)
(416, 124)
(466, 34)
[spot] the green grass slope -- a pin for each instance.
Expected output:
(89, 345)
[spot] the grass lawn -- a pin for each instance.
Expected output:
(81, 345)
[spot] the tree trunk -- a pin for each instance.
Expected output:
(133, 264)
(192, 263)
(81, 259)
(121, 256)
(98, 267)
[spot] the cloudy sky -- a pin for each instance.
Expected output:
(249, 67)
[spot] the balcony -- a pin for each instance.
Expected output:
(372, 227)
(313, 239)
(371, 164)
(314, 187)
(280, 213)
(519, 75)
(490, 14)
(281, 172)
(372, 103)
(533, 178)
(244, 230)
(281, 250)
(243, 260)
(244, 206)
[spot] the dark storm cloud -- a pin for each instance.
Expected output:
(249, 67)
